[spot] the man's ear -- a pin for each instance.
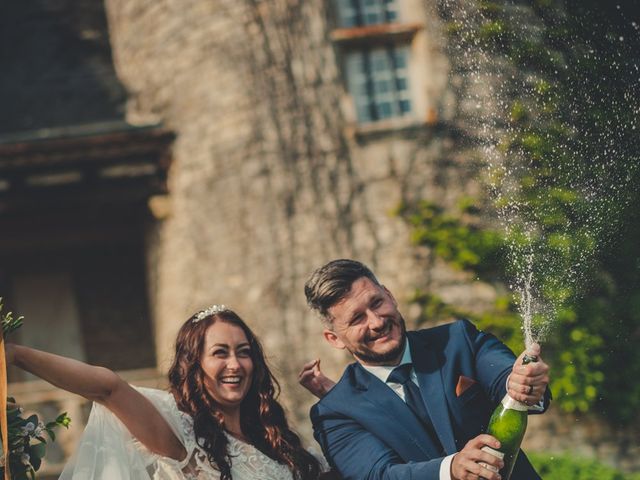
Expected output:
(331, 337)
(393, 299)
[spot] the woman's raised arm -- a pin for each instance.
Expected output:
(103, 386)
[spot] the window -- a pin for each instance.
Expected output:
(355, 13)
(376, 52)
(378, 81)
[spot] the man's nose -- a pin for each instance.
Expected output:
(376, 322)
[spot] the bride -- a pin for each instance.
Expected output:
(219, 420)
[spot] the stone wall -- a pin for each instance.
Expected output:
(270, 177)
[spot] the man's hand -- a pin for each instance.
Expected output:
(312, 378)
(527, 383)
(465, 464)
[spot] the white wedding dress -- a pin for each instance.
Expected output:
(107, 451)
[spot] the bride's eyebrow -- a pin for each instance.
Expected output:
(224, 345)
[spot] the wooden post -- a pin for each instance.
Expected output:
(3, 409)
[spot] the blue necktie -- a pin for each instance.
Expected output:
(413, 398)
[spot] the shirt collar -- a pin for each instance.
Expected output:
(383, 371)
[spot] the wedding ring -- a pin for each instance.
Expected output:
(530, 390)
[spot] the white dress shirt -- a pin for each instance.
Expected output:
(383, 372)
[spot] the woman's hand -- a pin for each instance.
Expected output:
(312, 378)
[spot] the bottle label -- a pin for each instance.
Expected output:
(493, 452)
(512, 404)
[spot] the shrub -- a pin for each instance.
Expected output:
(566, 467)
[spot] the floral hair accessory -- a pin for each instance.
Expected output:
(207, 312)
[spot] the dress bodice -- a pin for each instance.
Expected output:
(247, 462)
(107, 451)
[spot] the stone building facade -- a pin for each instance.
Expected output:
(274, 172)
(293, 131)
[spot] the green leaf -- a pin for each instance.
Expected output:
(9, 324)
(38, 450)
(64, 420)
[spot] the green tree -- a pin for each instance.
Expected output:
(571, 150)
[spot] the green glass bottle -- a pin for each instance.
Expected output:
(508, 424)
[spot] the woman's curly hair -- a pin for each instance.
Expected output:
(262, 418)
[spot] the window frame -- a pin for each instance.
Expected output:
(363, 39)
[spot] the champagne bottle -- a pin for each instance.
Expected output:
(508, 424)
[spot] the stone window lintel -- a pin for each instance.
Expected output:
(372, 34)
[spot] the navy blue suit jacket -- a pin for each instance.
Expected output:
(367, 432)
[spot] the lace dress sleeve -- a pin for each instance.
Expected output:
(195, 465)
(108, 451)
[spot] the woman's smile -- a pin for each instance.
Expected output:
(227, 364)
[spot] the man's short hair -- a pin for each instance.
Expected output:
(332, 282)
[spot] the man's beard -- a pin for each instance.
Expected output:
(373, 358)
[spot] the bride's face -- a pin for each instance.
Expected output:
(227, 364)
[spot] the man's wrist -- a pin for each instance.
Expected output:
(446, 468)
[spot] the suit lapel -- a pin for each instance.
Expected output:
(394, 421)
(427, 368)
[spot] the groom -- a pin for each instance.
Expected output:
(414, 404)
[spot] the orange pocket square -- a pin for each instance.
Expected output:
(463, 384)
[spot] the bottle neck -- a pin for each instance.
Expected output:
(512, 404)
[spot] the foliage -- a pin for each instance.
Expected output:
(567, 467)
(27, 436)
(580, 348)
(8, 322)
(466, 247)
(570, 139)
(27, 441)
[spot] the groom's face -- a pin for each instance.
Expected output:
(368, 324)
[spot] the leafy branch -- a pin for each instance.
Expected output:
(9, 323)
(27, 436)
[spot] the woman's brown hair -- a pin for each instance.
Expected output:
(262, 418)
